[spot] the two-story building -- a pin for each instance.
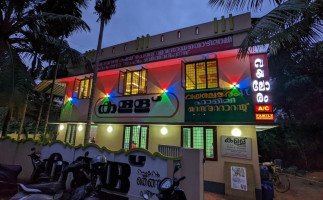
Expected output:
(183, 88)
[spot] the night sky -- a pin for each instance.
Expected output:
(135, 18)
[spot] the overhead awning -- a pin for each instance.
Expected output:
(46, 85)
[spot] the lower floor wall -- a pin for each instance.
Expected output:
(112, 137)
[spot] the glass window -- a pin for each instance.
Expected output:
(82, 88)
(201, 138)
(134, 82)
(201, 75)
(70, 134)
(135, 137)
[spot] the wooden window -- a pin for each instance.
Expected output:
(70, 134)
(197, 30)
(82, 88)
(201, 138)
(135, 137)
(201, 75)
(179, 34)
(133, 82)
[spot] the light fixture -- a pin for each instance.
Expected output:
(107, 95)
(61, 127)
(70, 99)
(235, 85)
(236, 132)
(165, 90)
(80, 128)
(109, 129)
(138, 126)
(163, 131)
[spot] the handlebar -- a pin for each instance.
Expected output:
(182, 178)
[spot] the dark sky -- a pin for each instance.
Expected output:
(135, 18)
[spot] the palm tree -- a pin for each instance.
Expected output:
(105, 9)
(26, 29)
(291, 22)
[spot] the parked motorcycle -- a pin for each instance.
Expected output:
(168, 188)
(47, 170)
(8, 179)
(57, 190)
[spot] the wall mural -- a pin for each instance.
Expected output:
(140, 106)
(219, 105)
(128, 173)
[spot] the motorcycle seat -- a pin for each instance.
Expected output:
(48, 188)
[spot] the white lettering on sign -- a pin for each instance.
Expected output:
(260, 84)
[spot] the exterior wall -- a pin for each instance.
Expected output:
(214, 170)
(79, 138)
(206, 30)
(113, 140)
(173, 137)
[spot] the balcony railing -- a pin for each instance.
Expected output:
(170, 151)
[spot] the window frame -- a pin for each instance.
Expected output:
(89, 89)
(206, 74)
(124, 84)
(71, 125)
(215, 145)
(131, 134)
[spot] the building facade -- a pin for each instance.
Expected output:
(184, 88)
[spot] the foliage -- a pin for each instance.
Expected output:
(297, 84)
(291, 22)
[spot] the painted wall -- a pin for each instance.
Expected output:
(214, 170)
(80, 130)
(112, 140)
(173, 137)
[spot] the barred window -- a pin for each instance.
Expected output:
(70, 134)
(201, 138)
(201, 75)
(135, 137)
(133, 82)
(82, 88)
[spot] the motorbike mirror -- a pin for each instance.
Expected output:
(147, 194)
(177, 167)
(86, 154)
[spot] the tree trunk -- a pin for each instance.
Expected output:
(38, 120)
(95, 75)
(23, 118)
(6, 122)
(51, 92)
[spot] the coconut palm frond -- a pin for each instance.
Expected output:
(230, 5)
(294, 21)
(105, 9)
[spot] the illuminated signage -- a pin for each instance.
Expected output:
(261, 87)
(265, 116)
(263, 108)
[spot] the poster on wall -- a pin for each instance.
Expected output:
(238, 178)
(237, 147)
(219, 105)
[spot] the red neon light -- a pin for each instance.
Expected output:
(263, 108)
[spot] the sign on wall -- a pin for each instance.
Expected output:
(239, 178)
(237, 147)
(204, 46)
(219, 105)
(144, 106)
(261, 87)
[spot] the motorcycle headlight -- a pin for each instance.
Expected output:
(166, 183)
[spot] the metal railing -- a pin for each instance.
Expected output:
(170, 151)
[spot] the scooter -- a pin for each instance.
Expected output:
(57, 190)
(8, 179)
(168, 188)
